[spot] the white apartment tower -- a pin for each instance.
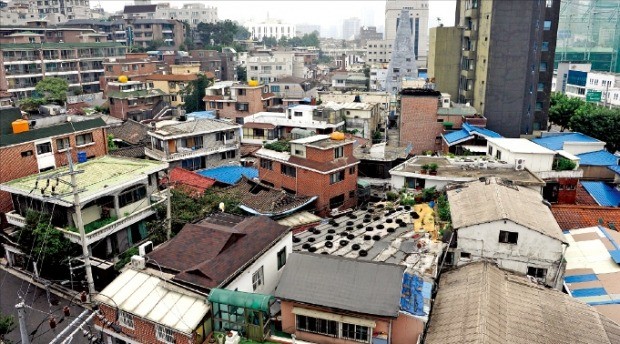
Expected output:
(351, 28)
(418, 21)
(270, 28)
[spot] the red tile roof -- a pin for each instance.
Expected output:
(208, 253)
(190, 181)
(571, 216)
(583, 197)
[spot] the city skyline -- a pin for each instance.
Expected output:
(328, 14)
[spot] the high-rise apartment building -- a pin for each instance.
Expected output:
(351, 28)
(418, 22)
(507, 61)
(18, 12)
(403, 64)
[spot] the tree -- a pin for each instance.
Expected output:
(111, 144)
(7, 325)
(53, 90)
(222, 33)
(242, 73)
(269, 41)
(195, 92)
(599, 122)
(562, 108)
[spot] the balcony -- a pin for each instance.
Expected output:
(162, 156)
(15, 219)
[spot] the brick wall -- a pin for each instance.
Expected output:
(15, 166)
(325, 155)
(418, 123)
(568, 190)
(143, 331)
(253, 98)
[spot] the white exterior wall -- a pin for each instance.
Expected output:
(577, 148)
(379, 51)
(193, 13)
(532, 249)
(271, 274)
(266, 68)
(276, 30)
(533, 162)
(398, 182)
(377, 79)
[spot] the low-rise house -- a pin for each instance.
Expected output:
(290, 90)
(226, 251)
(196, 144)
(480, 303)
(39, 143)
(136, 100)
(495, 220)
(349, 81)
(376, 160)
(135, 66)
(470, 138)
(130, 139)
(236, 101)
(522, 153)
(595, 165)
(412, 175)
(189, 182)
(144, 307)
(361, 118)
(118, 196)
(314, 166)
(173, 85)
(324, 299)
(267, 126)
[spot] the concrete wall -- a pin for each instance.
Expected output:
(269, 262)
(533, 162)
(444, 58)
(532, 249)
(418, 123)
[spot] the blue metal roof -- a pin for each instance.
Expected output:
(603, 193)
(556, 141)
(481, 131)
(229, 174)
(456, 136)
(615, 168)
(202, 114)
(598, 158)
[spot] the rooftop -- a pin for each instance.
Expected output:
(172, 77)
(190, 181)
(349, 106)
(520, 146)
(53, 46)
(592, 272)
(230, 174)
(131, 132)
(341, 283)
(457, 110)
(153, 92)
(466, 169)
(100, 176)
(282, 119)
(598, 158)
(151, 298)
(480, 303)
(467, 132)
(556, 141)
(232, 242)
(197, 126)
(571, 216)
(492, 200)
(604, 194)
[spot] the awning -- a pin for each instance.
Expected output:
(257, 302)
(335, 317)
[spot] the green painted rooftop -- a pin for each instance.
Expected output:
(47, 46)
(101, 176)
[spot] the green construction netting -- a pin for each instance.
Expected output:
(257, 302)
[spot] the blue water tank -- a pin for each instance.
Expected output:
(81, 156)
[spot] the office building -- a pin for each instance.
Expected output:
(418, 23)
(351, 28)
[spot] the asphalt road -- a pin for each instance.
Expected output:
(37, 299)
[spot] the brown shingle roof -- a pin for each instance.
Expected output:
(210, 252)
(139, 8)
(480, 303)
(571, 216)
(130, 152)
(131, 132)
(264, 199)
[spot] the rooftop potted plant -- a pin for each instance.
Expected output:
(425, 168)
(433, 169)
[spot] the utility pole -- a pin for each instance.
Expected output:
(80, 225)
(168, 211)
(22, 323)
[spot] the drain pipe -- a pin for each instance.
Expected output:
(557, 273)
(390, 332)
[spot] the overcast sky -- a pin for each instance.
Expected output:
(327, 13)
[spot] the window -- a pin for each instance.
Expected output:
(536, 272)
(132, 196)
(26, 153)
(352, 170)
(44, 148)
(539, 106)
(228, 155)
(298, 114)
(547, 25)
(355, 332)
(491, 150)
(316, 325)
(543, 67)
(257, 278)
(336, 202)
(351, 194)
(336, 177)
(544, 46)
(288, 170)
(338, 152)
(498, 155)
(84, 139)
(62, 143)
(125, 319)
(541, 87)
(465, 255)
(164, 334)
(242, 107)
(266, 164)
(281, 258)
(549, 3)
(508, 237)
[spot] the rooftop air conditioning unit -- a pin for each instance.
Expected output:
(145, 248)
(138, 263)
(483, 165)
(519, 164)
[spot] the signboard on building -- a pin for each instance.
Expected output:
(593, 96)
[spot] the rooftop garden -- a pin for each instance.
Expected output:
(93, 226)
(278, 146)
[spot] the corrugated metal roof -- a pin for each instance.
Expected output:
(603, 193)
(556, 141)
(457, 136)
(230, 174)
(484, 202)
(481, 131)
(615, 169)
(342, 283)
(598, 158)
(151, 298)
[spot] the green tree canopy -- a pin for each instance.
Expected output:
(221, 33)
(242, 73)
(7, 325)
(562, 108)
(53, 90)
(194, 92)
(599, 122)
